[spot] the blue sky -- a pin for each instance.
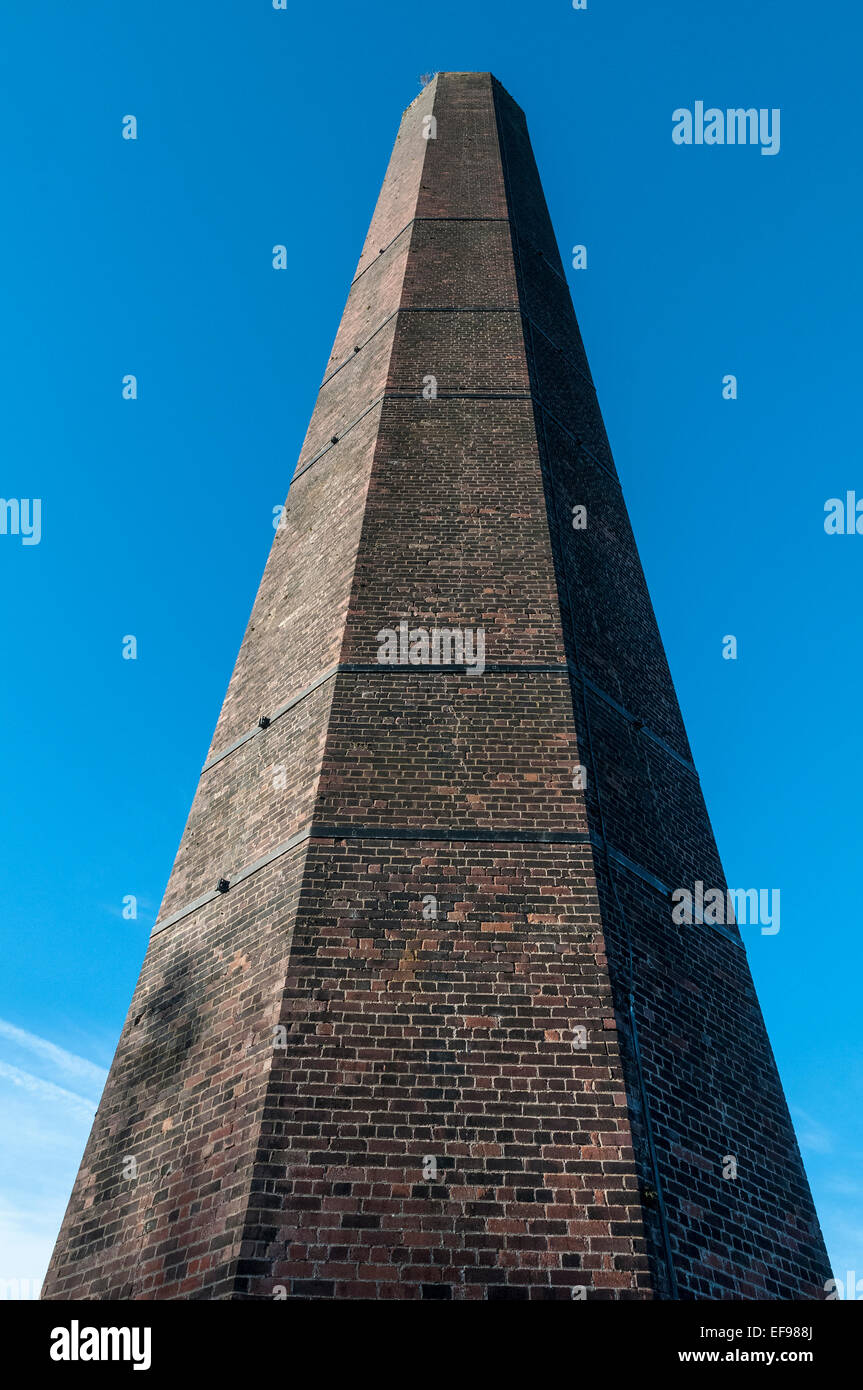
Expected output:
(153, 257)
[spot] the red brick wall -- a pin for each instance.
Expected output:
(450, 1039)
(705, 1072)
(419, 896)
(184, 1098)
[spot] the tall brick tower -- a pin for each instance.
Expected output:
(415, 1020)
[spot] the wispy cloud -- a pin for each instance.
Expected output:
(811, 1134)
(67, 1063)
(46, 1090)
(44, 1125)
